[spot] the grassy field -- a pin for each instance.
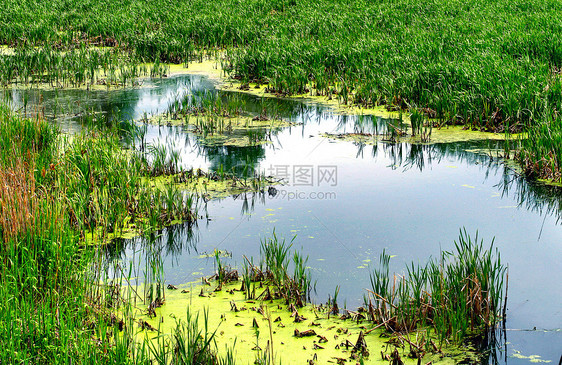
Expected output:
(493, 65)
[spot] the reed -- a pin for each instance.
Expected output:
(367, 53)
(83, 66)
(61, 305)
(540, 153)
(275, 253)
(457, 295)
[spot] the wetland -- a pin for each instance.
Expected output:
(364, 196)
(280, 182)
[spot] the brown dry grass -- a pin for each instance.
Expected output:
(18, 200)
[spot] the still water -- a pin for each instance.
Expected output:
(346, 202)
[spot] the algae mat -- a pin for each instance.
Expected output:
(448, 134)
(310, 336)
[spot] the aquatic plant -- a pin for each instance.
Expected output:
(274, 272)
(61, 304)
(540, 152)
(367, 53)
(206, 103)
(460, 293)
(191, 342)
(333, 302)
(224, 274)
(83, 66)
(275, 253)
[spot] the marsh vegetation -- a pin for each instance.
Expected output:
(70, 202)
(60, 198)
(491, 66)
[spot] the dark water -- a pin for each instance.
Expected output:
(347, 202)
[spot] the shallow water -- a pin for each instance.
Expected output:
(346, 203)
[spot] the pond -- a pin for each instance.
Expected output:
(347, 201)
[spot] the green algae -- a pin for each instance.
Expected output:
(128, 230)
(221, 253)
(447, 134)
(550, 183)
(310, 97)
(209, 67)
(211, 186)
(239, 131)
(254, 325)
(531, 358)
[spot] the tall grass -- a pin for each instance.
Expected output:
(40, 261)
(490, 65)
(74, 68)
(459, 294)
(275, 270)
(540, 153)
(58, 305)
(189, 344)
(402, 54)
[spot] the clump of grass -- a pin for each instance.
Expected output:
(252, 275)
(274, 271)
(224, 274)
(459, 294)
(540, 152)
(333, 302)
(207, 103)
(188, 344)
(106, 187)
(163, 161)
(276, 258)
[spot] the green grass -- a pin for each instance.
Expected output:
(275, 271)
(461, 293)
(60, 305)
(480, 62)
(540, 154)
(488, 64)
(73, 68)
(43, 268)
(207, 103)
